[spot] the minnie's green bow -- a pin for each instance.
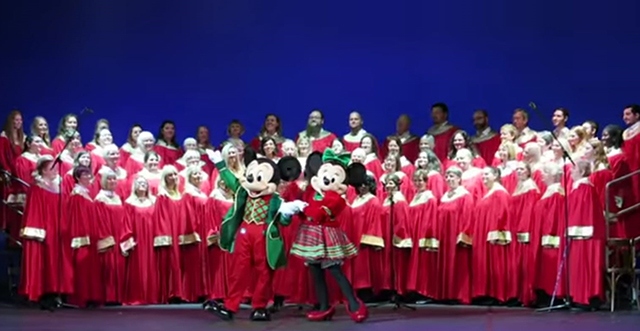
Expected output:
(342, 159)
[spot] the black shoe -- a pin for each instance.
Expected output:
(219, 310)
(260, 315)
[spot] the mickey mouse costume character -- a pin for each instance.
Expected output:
(320, 241)
(250, 231)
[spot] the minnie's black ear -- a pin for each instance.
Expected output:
(290, 168)
(314, 162)
(249, 155)
(356, 175)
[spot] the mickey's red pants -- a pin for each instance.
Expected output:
(248, 262)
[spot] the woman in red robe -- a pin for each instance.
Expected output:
(454, 225)
(136, 160)
(45, 273)
(392, 167)
(68, 155)
(272, 128)
(601, 173)
(508, 133)
(507, 155)
(429, 162)
(83, 233)
(631, 148)
(395, 149)
(40, 128)
(460, 140)
(111, 158)
(366, 231)
(217, 260)
(141, 275)
(68, 182)
(522, 204)
(68, 126)
(586, 231)
(111, 224)
(167, 146)
(193, 250)
(548, 230)
(371, 161)
(101, 124)
(97, 154)
(192, 159)
(131, 145)
(169, 221)
(559, 147)
(189, 144)
(492, 245)
(532, 156)
(25, 164)
(423, 214)
(471, 176)
(11, 140)
(397, 234)
(151, 171)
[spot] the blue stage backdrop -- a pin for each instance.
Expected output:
(210, 61)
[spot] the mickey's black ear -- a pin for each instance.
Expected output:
(290, 168)
(314, 162)
(356, 175)
(249, 155)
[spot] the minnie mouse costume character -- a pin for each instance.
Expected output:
(320, 241)
(250, 231)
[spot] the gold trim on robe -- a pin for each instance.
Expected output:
(523, 237)
(127, 245)
(78, 242)
(188, 239)
(430, 244)
(162, 241)
(33, 233)
(465, 239)
(580, 232)
(499, 237)
(370, 240)
(402, 243)
(213, 239)
(550, 241)
(106, 243)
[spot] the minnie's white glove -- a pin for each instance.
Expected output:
(214, 156)
(288, 209)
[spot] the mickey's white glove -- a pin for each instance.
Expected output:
(288, 209)
(214, 156)
(299, 205)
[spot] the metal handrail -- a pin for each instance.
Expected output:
(607, 197)
(14, 178)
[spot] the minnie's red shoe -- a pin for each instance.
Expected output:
(359, 315)
(318, 316)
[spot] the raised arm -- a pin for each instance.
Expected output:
(227, 176)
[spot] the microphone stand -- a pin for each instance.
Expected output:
(58, 301)
(562, 268)
(395, 298)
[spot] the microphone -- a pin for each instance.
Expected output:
(86, 110)
(533, 105)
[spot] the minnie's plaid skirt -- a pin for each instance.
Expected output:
(322, 244)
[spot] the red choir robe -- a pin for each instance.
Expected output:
(47, 150)
(477, 162)
(492, 247)
(153, 178)
(508, 178)
(81, 213)
(9, 152)
(90, 146)
(366, 232)
(323, 141)
(622, 196)
(135, 163)
(536, 175)
(407, 166)
(373, 165)
(67, 161)
(586, 260)
(442, 135)
(97, 159)
(25, 166)
(397, 241)
(205, 185)
(599, 178)
(123, 188)
(526, 136)
(68, 183)
(57, 145)
(218, 261)
(256, 143)
(141, 274)
(410, 146)
(168, 154)
(455, 214)
(168, 220)
(45, 268)
(522, 208)
(110, 221)
(546, 236)
(423, 269)
(285, 279)
(193, 246)
(487, 144)
(472, 181)
(352, 141)
(631, 146)
(125, 153)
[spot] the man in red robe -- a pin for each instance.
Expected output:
(521, 122)
(441, 130)
(410, 142)
(486, 140)
(352, 139)
(559, 119)
(319, 138)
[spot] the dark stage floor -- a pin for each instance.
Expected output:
(437, 318)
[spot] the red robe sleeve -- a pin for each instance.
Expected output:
(106, 239)
(162, 218)
(372, 234)
(192, 211)
(501, 232)
(127, 234)
(466, 205)
(401, 227)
